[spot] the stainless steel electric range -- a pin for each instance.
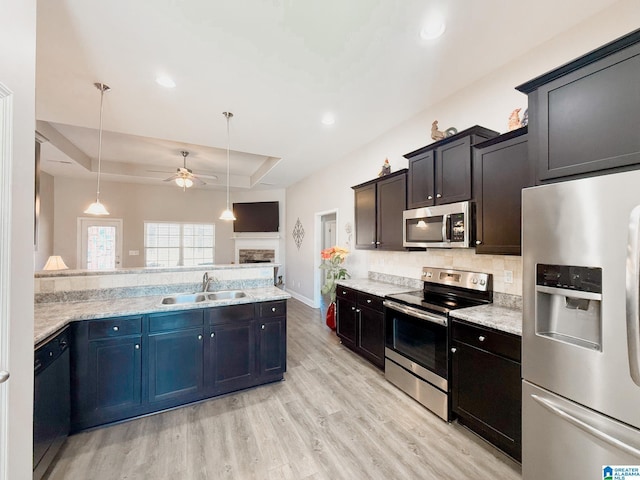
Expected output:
(417, 336)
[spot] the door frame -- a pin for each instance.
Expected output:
(80, 234)
(317, 247)
(6, 153)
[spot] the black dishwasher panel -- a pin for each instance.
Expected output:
(51, 402)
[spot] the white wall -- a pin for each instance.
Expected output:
(136, 204)
(487, 102)
(44, 247)
(17, 57)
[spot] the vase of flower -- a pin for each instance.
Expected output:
(332, 260)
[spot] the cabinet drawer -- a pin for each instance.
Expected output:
(115, 327)
(272, 309)
(230, 313)
(370, 301)
(346, 293)
(495, 342)
(173, 321)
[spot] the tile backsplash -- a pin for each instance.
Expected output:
(409, 264)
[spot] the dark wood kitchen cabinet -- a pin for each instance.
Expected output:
(106, 370)
(379, 205)
(501, 169)
(486, 384)
(271, 326)
(360, 323)
(583, 116)
(440, 173)
(176, 357)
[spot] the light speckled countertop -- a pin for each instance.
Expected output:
(51, 317)
(493, 316)
(375, 288)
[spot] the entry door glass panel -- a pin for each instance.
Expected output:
(100, 243)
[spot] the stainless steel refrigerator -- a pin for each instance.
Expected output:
(581, 330)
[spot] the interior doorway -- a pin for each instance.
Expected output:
(326, 228)
(99, 243)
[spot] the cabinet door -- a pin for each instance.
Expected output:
(453, 171)
(500, 173)
(346, 327)
(487, 396)
(272, 338)
(371, 335)
(392, 201)
(421, 181)
(232, 363)
(587, 120)
(115, 370)
(176, 365)
(365, 213)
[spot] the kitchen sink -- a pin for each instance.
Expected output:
(184, 298)
(226, 295)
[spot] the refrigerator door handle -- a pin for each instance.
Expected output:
(632, 293)
(583, 424)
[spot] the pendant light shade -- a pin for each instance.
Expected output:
(96, 208)
(228, 213)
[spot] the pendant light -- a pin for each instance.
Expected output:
(228, 213)
(97, 208)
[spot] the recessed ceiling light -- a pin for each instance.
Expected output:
(165, 81)
(328, 119)
(434, 28)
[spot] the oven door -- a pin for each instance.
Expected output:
(417, 340)
(442, 226)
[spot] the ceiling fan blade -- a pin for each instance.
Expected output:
(197, 181)
(172, 178)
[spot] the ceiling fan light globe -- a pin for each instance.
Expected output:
(96, 208)
(188, 183)
(180, 182)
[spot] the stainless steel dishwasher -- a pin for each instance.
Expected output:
(51, 401)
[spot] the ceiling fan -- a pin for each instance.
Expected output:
(184, 176)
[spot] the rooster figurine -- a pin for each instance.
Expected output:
(435, 133)
(514, 119)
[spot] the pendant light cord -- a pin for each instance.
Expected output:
(228, 115)
(102, 88)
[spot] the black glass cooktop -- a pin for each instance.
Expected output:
(433, 301)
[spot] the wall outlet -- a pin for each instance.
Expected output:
(508, 276)
(133, 253)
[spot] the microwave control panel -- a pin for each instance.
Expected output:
(457, 227)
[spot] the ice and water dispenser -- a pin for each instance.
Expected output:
(568, 304)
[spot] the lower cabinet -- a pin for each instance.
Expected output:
(129, 366)
(360, 323)
(486, 390)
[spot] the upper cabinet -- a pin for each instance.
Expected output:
(501, 170)
(583, 116)
(379, 205)
(441, 172)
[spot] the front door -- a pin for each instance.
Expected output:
(100, 243)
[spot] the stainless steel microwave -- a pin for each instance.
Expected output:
(441, 226)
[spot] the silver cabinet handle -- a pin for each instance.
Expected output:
(344, 292)
(4, 376)
(373, 243)
(430, 197)
(438, 195)
(353, 308)
(115, 329)
(262, 326)
(377, 243)
(368, 300)
(357, 310)
(273, 309)
(481, 338)
(199, 337)
(136, 346)
(454, 349)
(212, 335)
(478, 242)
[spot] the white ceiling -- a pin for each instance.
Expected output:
(278, 65)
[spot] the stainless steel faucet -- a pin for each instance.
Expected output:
(206, 281)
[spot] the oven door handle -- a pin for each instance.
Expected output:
(414, 312)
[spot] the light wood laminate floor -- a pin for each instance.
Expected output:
(333, 417)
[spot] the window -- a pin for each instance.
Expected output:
(175, 244)
(99, 243)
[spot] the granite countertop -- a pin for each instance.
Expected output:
(51, 317)
(493, 316)
(374, 287)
